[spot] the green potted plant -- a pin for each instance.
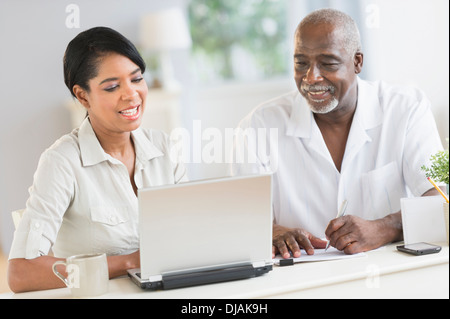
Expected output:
(439, 172)
(439, 168)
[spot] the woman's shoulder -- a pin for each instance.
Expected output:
(67, 146)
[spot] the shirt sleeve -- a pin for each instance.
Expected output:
(254, 148)
(50, 196)
(422, 141)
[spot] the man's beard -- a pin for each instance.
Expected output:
(313, 105)
(325, 108)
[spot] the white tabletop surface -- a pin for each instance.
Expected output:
(382, 273)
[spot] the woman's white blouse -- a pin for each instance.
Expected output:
(82, 201)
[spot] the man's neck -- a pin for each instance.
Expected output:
(335, 128)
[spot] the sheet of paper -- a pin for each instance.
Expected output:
(320, 255)
(423, 219)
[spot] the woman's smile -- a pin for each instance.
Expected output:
(132, 113)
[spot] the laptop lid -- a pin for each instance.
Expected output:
(204, 225)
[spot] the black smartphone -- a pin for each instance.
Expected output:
(419, 249)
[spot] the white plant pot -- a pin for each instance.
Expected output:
(446, 218)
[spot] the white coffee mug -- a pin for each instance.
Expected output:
(87, 275)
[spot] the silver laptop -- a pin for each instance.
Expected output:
(204, 232)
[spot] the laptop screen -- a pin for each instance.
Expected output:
(205, 224)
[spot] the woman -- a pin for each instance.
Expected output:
(84, 193)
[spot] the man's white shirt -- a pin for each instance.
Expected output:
(392, 135)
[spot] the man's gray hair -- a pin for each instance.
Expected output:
(350, 33)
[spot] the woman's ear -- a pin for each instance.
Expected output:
(81, 95)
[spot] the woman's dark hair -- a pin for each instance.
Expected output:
(84, 51)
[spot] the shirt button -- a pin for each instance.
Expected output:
(112, 219)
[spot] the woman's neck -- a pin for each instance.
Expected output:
(118, 145)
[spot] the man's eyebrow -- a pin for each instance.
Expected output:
(327, 56)
(330, 56)
(115, 79)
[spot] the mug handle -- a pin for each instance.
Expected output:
(58, 274)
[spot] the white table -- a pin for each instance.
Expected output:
(382, 273)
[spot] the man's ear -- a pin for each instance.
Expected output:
(81, 95)
(358, 62)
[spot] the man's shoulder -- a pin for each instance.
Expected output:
(276, 110)
(392, 92)
(280, 103)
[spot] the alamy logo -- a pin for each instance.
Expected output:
(73, 276)
(73, 17)
(373, 16)
(239, 146)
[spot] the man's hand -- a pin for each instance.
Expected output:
(353, 234)
(285, 239)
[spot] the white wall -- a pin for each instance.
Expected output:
(410, 45)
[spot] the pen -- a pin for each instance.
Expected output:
(439, 190)
(340, 214)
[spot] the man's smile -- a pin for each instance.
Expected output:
(317, 92)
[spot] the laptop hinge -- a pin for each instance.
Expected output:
(155, 278)
(258, 264)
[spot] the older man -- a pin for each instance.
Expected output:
(339, 138)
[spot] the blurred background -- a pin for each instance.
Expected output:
(222, 59)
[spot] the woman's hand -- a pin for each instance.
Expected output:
(118, 265)
(37, 274)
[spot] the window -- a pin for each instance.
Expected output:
(239, 39)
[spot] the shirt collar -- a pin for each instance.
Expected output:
(144, 148)
(368, 112)
(300, 121)
(92, 152)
